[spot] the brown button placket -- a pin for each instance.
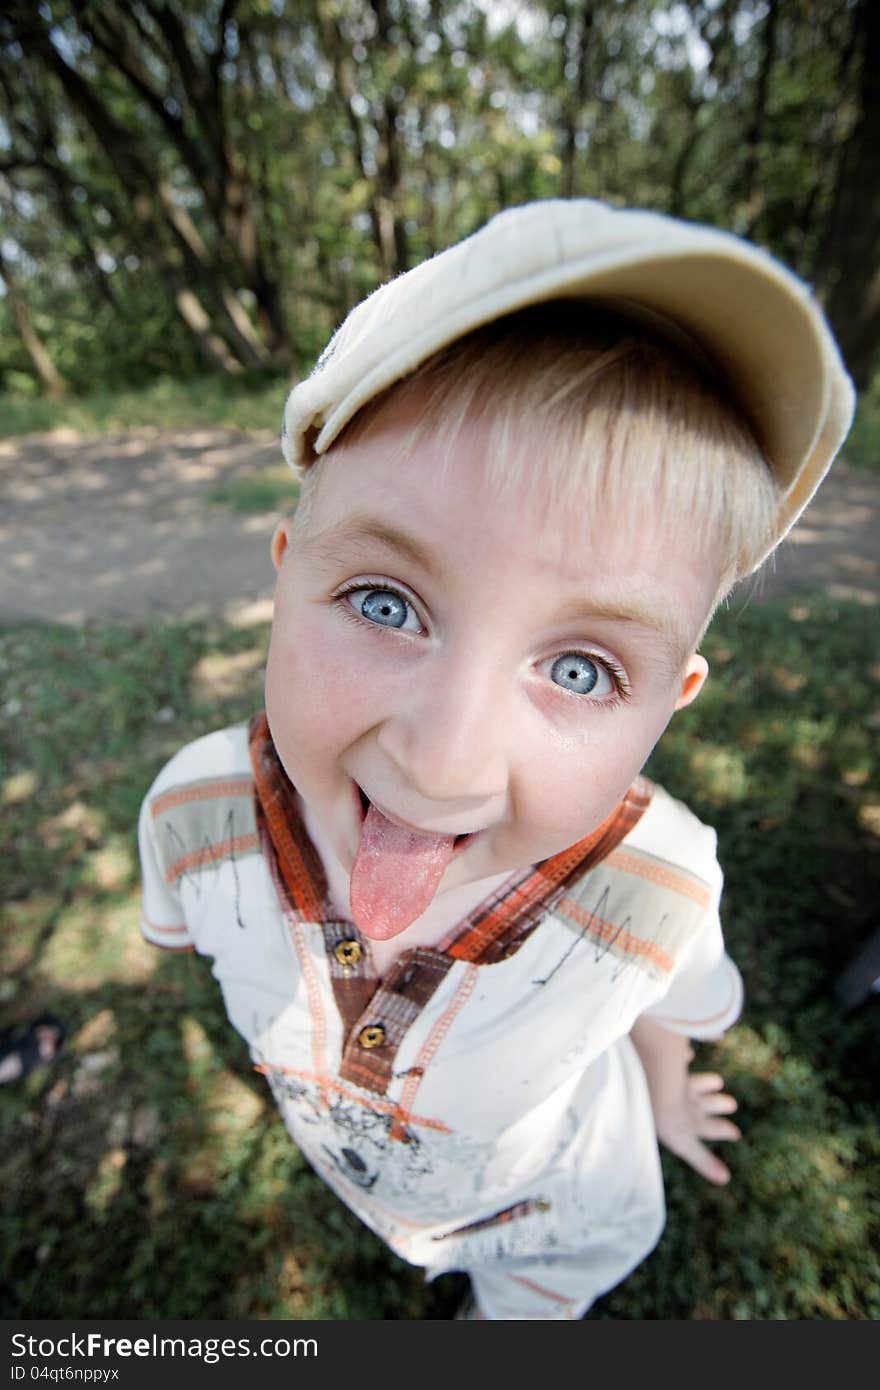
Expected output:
(351, 972)
(374, 1039)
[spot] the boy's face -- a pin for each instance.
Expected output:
(474, 667)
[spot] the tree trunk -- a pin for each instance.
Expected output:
(54, 384)
(210, 159)
(213, 346)
(574, 48)
(150, 198)
(849, 263)
(40, 138)
(753, 197)
(716, 34)
(382, 170)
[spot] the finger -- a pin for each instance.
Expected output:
(718, 1129)
(718, 1104)
(703, 1081)
(704, 1162)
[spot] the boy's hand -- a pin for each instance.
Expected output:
(688, 1107)
(697, 1115)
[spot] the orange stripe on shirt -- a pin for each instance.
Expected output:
(298, 936)
(616, 935)
(428, 1051)
(540, 1289)
(164, 945)
(660, 873)
(162, 931)
(207, 791)
(713, 1021)
(210, 854)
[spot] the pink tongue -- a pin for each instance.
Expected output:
(395, 875)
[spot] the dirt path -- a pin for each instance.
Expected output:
(119, 527)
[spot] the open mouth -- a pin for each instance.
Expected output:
(364, 805)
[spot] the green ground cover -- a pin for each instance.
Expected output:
(267, 489)
(205, 403)
(146, 1174)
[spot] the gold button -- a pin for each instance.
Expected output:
(348, 952)
(372, 1036)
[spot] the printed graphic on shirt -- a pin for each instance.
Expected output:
(405, 1191)
(202, 825)
(499, 1218)
(611, 916)
(351, 1136)
(204, 822)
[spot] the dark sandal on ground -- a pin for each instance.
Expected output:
(469, 1310)
(37, 1045)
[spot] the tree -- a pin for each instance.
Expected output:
(52, 380)
(849, 262)
(148, 50)
(228, 178)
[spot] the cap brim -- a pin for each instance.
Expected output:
(757, 321)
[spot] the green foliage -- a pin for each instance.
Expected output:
(152, 1146)
(205, 191)
(264, 490)
(251, 404)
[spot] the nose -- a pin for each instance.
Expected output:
(449, 732)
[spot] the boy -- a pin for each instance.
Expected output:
(467, 942)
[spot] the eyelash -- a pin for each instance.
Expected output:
(359, 586)
(622, 688)
(618, 679)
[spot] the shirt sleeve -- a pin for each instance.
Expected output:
(162, 917)
(705, 996)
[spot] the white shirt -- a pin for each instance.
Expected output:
(504, 1096)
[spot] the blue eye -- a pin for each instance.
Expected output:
(383, 606)
(577, 673)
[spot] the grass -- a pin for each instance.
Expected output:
(146, 1174)
(209, 402)
(269, 489)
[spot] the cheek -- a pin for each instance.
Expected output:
(570, 801)
(578, 786)
(314, 692)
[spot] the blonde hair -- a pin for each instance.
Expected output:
(590, 408)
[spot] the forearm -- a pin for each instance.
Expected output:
(665, 1057)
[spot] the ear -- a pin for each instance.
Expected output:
(693, 679)
(280, 541)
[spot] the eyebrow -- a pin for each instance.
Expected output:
(663, 623)
(340, 543)
(337, 543)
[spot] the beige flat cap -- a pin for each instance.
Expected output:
(757, 321)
